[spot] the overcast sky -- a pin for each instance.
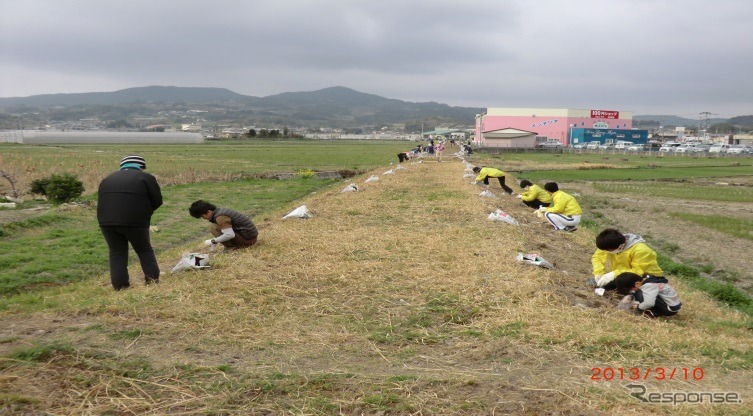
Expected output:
(679, 57)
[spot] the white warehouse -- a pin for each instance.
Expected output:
(98, 137)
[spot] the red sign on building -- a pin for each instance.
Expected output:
(605, 114)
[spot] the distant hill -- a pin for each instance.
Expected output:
(153, 94)
(667, 120)
(329, 107)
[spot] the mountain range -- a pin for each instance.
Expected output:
(334, 107)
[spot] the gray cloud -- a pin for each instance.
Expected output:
(647, 56)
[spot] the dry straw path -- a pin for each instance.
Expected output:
(402, 291)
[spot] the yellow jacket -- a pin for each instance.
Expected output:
(564, 204)
(489, 172)
(636, 258)
(535, 192)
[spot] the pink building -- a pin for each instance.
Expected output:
(552, 123)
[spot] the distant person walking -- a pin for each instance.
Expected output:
(126, 201)
(229, 227)
(534, 196)
(565, 212)
(439, 150)
(485, 172)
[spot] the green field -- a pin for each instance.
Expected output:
(72, 245)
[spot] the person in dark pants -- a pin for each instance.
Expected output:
(229, 227)
(484, 173)
(533, 196)
(652, 295)
(126, 201)
(403, 156)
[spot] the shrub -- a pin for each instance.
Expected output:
(38, 185)
(59, 188)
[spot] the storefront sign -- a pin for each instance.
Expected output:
(605, 114)
(601, 125)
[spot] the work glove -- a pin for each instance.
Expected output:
(604, 279)
(542, 208)
(519, 196)
(209, 243)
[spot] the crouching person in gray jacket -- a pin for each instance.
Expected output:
(229, 227)
(652, 295)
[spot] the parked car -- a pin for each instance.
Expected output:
(738, 149)
(636, 146)
(579, 146)
(684, 148)
(593, 145)
(700, 148)
(550, 145)
(668, 147)
(621, 144)
(606, 146)
(719, 148)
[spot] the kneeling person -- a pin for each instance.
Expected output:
(618, 253)
(534, 196)
(229, 227)
(652, 295)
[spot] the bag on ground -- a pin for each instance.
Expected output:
(535, 259)
(502, 216)
(300, 212)
(192, 261)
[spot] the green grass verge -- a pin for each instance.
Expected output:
(680, 191)
(736, 226)
(639, 173)
(725, 293)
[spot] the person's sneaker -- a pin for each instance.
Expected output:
(570, 228)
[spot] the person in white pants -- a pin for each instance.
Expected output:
(564, 213)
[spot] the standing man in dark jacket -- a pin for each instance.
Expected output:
(127, 199)
(229, 227)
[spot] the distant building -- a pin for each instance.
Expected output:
(553, 123)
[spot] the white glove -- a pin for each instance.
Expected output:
(604, 279)
(209, 243)
(542, 208)
(519, 196)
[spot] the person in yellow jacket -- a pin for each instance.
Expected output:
(564, 213)
(534, 196)
(485, 172)
(619, 253)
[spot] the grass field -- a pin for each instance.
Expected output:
(401, 298)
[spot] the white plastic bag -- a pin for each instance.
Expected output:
(389, 172)
(300, 212)
(487, 193)
(372, 178)
(192, 261)
(350, 188)
(502, 216)
(400, 167)
(535, 259)
(468, 175)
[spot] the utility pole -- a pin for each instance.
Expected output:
(705, 115)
